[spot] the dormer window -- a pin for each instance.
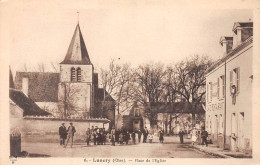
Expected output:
(78, 74)
(73, 74)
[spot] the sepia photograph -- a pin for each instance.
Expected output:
(128, 82)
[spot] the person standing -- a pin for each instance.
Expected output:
(113, 133)
(194, 136)
(127, 137)
(146, 132)
(121, 138)
(133, 137)
(181, 134)
(71, 131)
(88, 133)
(95, 137)
(161, 136)
(204, 136)
(63, 134)
(98, 136)
(139, 136)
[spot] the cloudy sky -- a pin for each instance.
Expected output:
(134, 31)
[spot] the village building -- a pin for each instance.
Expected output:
(229, 91)
(171, 117)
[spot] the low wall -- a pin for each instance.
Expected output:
(44, 129)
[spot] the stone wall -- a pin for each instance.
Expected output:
(45, 129)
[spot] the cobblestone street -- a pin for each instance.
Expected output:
(171, 148)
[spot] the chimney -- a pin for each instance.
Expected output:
(242, 31)
(226, 43)
(25, 85)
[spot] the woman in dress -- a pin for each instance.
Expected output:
(194, 136)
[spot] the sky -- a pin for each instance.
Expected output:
(137, 32)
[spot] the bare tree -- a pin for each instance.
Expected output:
(25, 68)
(191, 81)
(68, 100)
(55, 67)
(148, 88)
(117, 82)
(41, 67)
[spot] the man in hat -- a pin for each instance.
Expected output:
(204, 136)
(181, 134)
(63, 134)
(71, 131)
(146, 133)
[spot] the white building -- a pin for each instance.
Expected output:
(229, 91)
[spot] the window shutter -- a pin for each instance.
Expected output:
(218, 87)
(210, 91)
(207, 92)
(238, 79)
(231, 80)
(224, 85)
(73, 74)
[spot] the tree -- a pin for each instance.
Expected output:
(116, 80)
(68, 100)
(148, 88)
(191, 81)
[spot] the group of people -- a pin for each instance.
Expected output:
(66, 134)
(123, 136)
(195, 135)
(99, 136)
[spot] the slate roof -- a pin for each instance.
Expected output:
(242, 24)
(177, 107)
(77, 52)
(43, 86)
(100, 95)
(29, 106)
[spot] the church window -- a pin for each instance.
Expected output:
(73, 74)
(78, 74)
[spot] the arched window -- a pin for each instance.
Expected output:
(73, 74)
(78, 74)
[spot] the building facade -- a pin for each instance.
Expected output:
(229, 91)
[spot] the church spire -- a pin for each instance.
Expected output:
(77, 52)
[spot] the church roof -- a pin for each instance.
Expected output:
(29, 107)
(77, 52)
(42, 86)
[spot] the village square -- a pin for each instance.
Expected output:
(196, 107)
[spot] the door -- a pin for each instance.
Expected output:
(240, 135)
(234, 133)
(216, 129)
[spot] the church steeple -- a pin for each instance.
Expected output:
(77, 52)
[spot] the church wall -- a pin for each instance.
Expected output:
(36, 130)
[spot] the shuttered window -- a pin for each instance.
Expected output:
(238, 79)
(218, 92)
(223, 85)
(211, 90)
(73, 74)
(231, 80)
(78, 74)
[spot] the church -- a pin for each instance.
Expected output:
(74, 91)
